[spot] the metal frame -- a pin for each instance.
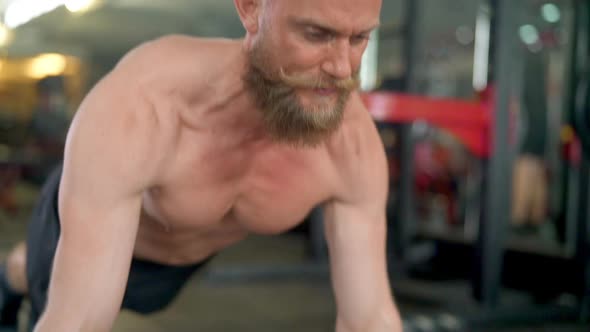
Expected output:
(581, 108)
(495, 214)
(491, 243)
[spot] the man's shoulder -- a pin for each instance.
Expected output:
(173, 64)
(163, 51)
(358, 131)
(357, 149)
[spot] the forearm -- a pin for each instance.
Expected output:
(80, 298)
(387, 320)
(72, 321)
(47, 324)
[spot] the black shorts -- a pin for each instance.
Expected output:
(150, 286)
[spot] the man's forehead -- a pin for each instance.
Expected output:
(334, 14)
(329, 2)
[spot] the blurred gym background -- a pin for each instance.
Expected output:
(483, 109)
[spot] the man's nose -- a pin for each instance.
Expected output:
(338, 60)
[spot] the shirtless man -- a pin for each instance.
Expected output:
(189, 145)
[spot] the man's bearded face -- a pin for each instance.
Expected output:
(277, 94)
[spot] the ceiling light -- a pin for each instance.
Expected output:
(529, 34)
(20, 12)
(5, 35)
(79, 5)
(551, 13)
(47, 65)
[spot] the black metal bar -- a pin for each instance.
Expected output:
(494, 28)
(495, 214)
(267, 272)
(317, 237)
(404, 207)
(566, 214)
(489, 321)
(582, 248)
(580, 105)
(410, 33)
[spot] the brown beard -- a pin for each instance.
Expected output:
(285, 118)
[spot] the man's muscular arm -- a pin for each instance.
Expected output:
(113, 153)
(356, 233)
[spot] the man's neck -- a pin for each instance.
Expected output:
(234, 98)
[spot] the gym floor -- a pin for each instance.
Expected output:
(211, 303)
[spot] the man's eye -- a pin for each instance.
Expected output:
(359, 39)
(317, 36)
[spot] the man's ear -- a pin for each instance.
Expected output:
(249, 11)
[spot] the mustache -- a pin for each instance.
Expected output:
(307, 81)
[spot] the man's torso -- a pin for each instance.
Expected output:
(215, 197)
(222, 183)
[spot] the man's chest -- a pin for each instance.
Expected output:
(267, 192)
